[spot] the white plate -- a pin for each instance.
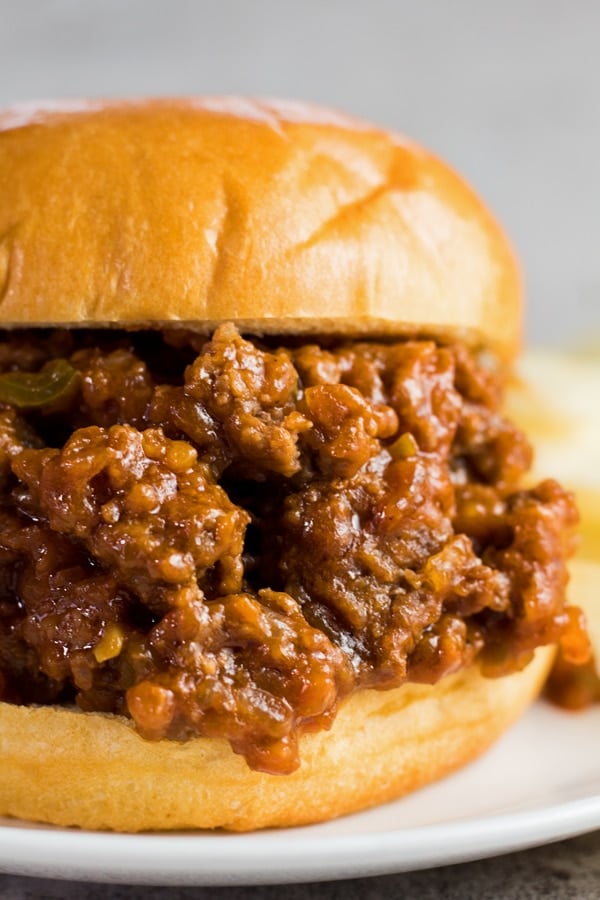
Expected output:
(539, 784)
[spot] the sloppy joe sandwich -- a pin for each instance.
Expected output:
(269, 549)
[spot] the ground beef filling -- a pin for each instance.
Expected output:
(218, 537)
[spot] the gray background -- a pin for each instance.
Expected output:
(509, 92)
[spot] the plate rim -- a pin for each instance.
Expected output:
(133, 858)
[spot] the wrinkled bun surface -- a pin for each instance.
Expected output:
(86, 769)
(280, 216)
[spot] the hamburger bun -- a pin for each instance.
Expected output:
(71, 768)
(284, 219)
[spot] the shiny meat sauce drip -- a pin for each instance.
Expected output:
(222, 538)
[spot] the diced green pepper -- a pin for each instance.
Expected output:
(33, 390)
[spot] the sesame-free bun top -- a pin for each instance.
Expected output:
(283, 217)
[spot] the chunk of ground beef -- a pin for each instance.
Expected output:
(142, 506)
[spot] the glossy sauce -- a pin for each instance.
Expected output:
(225, 538)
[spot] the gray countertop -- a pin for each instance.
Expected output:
(570, 869)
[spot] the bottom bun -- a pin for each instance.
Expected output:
(72, 768)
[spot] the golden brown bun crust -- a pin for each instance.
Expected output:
(279, 216)
(94, 771)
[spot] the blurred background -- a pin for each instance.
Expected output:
(508, 92)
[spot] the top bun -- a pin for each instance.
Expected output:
(283, 217)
